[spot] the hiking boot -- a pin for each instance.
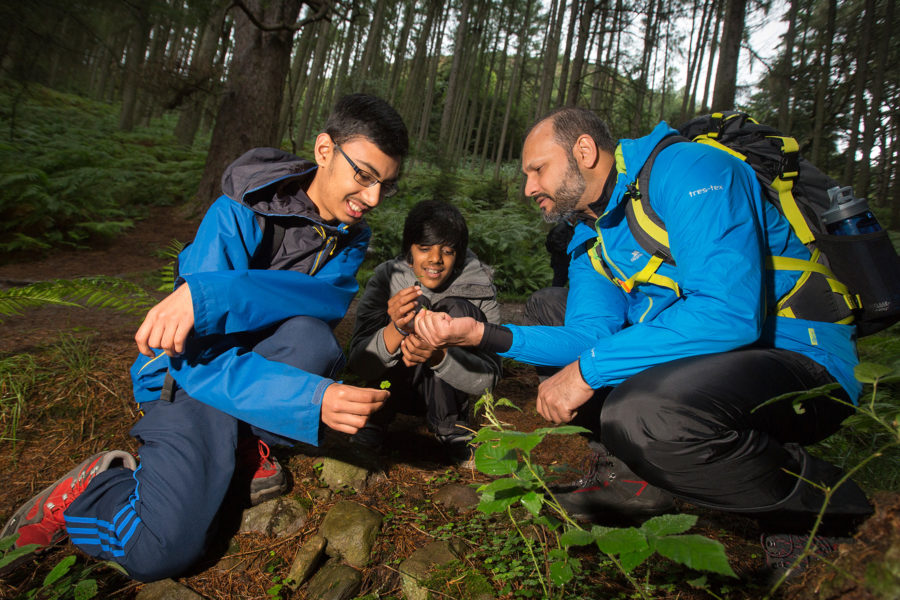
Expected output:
(458, 449)
(40, 520)
(609, 489)
(783, 550)
(268, 481)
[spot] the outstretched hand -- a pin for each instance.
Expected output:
(560, 396)
(441, 330)
(346, 408)
(167, 324)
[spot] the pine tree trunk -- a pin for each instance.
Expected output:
(860, 92)
(134, 63)
(726, 70)
(823, 84)
(584, 29)
(520, 61)
(562, 88)
(874, 118)
(200, 77)
(453, 82)
(248, 115)
(786, 70)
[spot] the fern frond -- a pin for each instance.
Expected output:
(98, 292)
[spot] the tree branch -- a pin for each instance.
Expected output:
(323, 10)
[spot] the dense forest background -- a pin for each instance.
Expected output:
(468, 76)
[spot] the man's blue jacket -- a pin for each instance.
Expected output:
(720, 230)
(236, 293)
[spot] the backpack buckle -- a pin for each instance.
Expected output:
(789, 165)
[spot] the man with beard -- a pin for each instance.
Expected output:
(668, 366)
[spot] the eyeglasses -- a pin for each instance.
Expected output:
(367, 180)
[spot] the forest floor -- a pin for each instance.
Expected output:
(82, 404)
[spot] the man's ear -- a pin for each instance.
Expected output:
(323, 149)
(585, 151)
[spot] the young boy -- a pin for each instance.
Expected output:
(435, 269)
(247, 351)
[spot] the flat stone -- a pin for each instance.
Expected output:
(306, 561)
(341, 474)
(167, 589)
(334, 581)
(461, 497)
(350, 530)
(418, 567)
(280, 517)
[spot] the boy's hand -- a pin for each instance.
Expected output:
(167, 324)
(417, 351)
(401, 306)
(346, 408)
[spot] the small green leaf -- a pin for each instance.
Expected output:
(14, 555)
(669, 524)
(621, 541)
(868, 372)
(560, 573)
(696, 552)
(494, 460)
(8, 542)
(61, 568)
(85, 589)
(533, 502)
(385, 384)
(497, 495)
(632, 560)
(521, 441)
(576, 537)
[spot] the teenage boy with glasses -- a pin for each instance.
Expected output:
(242, 349)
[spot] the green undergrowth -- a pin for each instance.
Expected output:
(69, 177)
(861, 435)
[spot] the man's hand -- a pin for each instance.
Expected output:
(168, 324)
(441, 330)
(560, 396)
(401, 305)
(417, 351)
(346, 408)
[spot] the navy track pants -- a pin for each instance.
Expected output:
(156, 521)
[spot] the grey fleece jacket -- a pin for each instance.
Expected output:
(466, 369)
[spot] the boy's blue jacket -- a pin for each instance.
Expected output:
(720, 230)
(236, 292)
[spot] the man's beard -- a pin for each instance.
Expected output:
(567, 195)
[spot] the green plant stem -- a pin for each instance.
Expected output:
(537, 566)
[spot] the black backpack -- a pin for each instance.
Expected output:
(849, 278)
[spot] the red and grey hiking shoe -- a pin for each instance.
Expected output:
(609, 490)
(40, 520)
(268, 480)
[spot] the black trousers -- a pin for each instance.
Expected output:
(417, 390)
(696, 428)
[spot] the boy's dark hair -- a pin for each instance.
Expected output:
(570, 122)
(433, 222)
(362, 115)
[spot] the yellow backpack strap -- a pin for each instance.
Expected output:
(783, 183)
(649, 275)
